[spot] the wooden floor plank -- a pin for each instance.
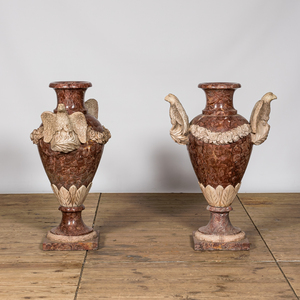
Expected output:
(39, 280)
(146, 249)
(27, 272)
(25, 221)
(146, 253)
(146, 280)
(292, 272)
(155, 230)
(277, 217)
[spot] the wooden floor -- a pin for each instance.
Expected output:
(146, 249)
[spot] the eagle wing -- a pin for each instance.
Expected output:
(179, 120)
(79, 125)
(92, 107)
(49, 123)
(175, 116)
(254, 115)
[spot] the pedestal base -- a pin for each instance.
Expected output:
(91, 244)
(219, 234)
(71, 234)
(201, 245)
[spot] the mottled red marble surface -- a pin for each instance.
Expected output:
(219, 164)
(71, 223)
(79, 166)
(74, 168)
(49, 245)
(219, 223)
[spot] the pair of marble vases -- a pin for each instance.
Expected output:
(71, 142)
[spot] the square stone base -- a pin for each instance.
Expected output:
(92, 244)
(201, 245)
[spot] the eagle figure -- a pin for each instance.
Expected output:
(259, 119)
(179, 120)
(64, 132)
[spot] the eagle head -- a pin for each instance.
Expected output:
(61, 108)
(268, 97)
(171, 98)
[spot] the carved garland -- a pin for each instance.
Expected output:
(37, 134)
(98, 137)
(220, 138)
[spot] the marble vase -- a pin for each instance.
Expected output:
(219, 143)
(70, 142)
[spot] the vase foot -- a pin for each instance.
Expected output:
(202, 245)
(220, 238)
(71, 243)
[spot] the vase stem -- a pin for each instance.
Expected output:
(71, 223)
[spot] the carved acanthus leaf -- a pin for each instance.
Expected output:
(220, 138)
(71, 197)
(220, 197)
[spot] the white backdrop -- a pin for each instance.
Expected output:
(135, 52)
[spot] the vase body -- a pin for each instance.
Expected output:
(76, 167)
(70, 143)
(220, 162)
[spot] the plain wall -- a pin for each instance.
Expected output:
(135, 52)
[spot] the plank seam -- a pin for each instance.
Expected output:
(275, 260)
(86, 252)
(96, 211)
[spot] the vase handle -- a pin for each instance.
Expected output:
(179, 120)
(259, 119)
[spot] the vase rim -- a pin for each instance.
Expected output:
(70, 84)
(219, 85)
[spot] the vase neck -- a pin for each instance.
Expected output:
(219, 98)
(71, 94)
(219, 102)
(73, 99)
